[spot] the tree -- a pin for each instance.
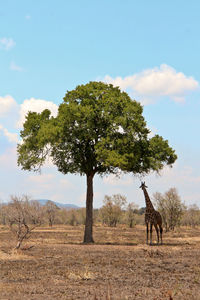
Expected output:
(161, 205)
(35, 212)
(111, 211)
(72, 217)
(98, 130)
(170, 207)
(51, 210)
(130, 214)
(22, 217)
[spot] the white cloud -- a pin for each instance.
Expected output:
(7, 43)
(118, 181)
(15, 67)
(152, 84)
(65, 183)
(7, 103)
(35, 105)
(8, 106)
(8, 160)
(12, 137)
(50, 186)
(184, 178)
(153, 131)
(41, 179)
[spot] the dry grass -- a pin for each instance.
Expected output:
(118, 266)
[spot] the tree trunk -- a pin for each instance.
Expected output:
(88, 238)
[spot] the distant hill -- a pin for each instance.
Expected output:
(60, 205)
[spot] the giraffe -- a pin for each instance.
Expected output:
(152, 217)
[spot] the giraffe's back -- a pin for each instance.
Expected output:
(158, 218)
(153, 217)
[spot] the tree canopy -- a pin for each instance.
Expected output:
(98, 130)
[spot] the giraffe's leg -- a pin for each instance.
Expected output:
(157, 231)
(147, 230)
(151, 229)
(161, 231)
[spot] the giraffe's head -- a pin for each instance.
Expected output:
(143, 185)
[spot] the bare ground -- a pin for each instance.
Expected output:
(56, 265)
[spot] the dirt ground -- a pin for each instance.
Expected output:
(118, 266)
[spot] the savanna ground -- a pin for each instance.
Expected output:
(54, 264)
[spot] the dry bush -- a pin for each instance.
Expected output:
(112, 210)
(170, 207)
(23, 216)
(50, 211)
(130, 214)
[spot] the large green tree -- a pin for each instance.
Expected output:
(98, 130)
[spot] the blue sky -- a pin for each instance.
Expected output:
(148, 48)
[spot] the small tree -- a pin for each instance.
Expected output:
(36, 212)
(175, 208)
(161, 205)
(170, 207)
(130, 214)
(21, 213)
(51, 210)
(111, 212)
(72, 217)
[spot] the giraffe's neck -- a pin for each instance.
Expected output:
(149, 205)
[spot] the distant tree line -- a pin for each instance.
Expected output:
(22, 214)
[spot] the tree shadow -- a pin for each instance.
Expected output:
(101, 244)
(118, 244)
(127, 244)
